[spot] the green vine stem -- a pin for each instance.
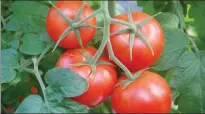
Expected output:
(193, 43)
(112, 8)
(106, 39)
(196, 49)
(36, 72)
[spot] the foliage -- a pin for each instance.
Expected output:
(27, 59)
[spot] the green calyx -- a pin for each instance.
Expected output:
(90, 63)
(134, 30)
(74, 25)
(128, 81)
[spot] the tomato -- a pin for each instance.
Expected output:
(148, 94)
(21, 98)
(101, 86)
(9, 108)
(56, 25)
(141, 55)
(34, 90)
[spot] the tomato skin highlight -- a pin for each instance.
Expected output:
(101, 86)
(56, 25)
(141, 55)
(34, 90)
(148, 94)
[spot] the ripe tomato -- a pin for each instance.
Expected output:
(141, 54)
(9, 108)
(101, 86)
(148, 94)
(21, 98)
(56, 25)
(34, 90)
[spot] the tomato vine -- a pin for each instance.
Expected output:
(58, 81)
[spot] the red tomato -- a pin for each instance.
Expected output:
(101, 86)
(21, 98)
(34, 90)
(56, 25)
(141, 55)
(9, 108)
(148, 94)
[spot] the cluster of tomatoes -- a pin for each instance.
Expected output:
(148, 93)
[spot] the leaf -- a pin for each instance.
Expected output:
(175, 44)
(97, 39)
(32, 104)
(105, 107)
(7, 75)
(9, 58)
(148, 6)
(197, 12)
(9, 41)
(44, 37)
(66, 82)
(141, 2)
(58, 105)
(49, 61)
(28, 16)
(176, 8)
(32, 45)
(10, 95)
(189, 78)
(168, 20)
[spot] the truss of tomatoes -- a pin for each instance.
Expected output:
(148, 94)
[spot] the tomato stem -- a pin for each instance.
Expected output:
(196, 49)
(112, 7)
(90, 16)
(37, 73)
(106, 39)
(120, 22)
(106, 31)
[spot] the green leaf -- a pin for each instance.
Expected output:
(141, 2)
(32, 104)
(105, 107)
(10, 95)
(97, 39)
(58, 105)
(32, 45)
(197, 12)
(175, 44)
(168, 20)
(66, 82)
(7, 75)
(189, 78)
(44, 37)
(28, 16)
(49, 61)
(148, 6)
(176, 8)
(9, 58)
(9, 41)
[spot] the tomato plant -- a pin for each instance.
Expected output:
(101, 83)
(56, 26)
(141, 54)
(150, 93)
(49, 63)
